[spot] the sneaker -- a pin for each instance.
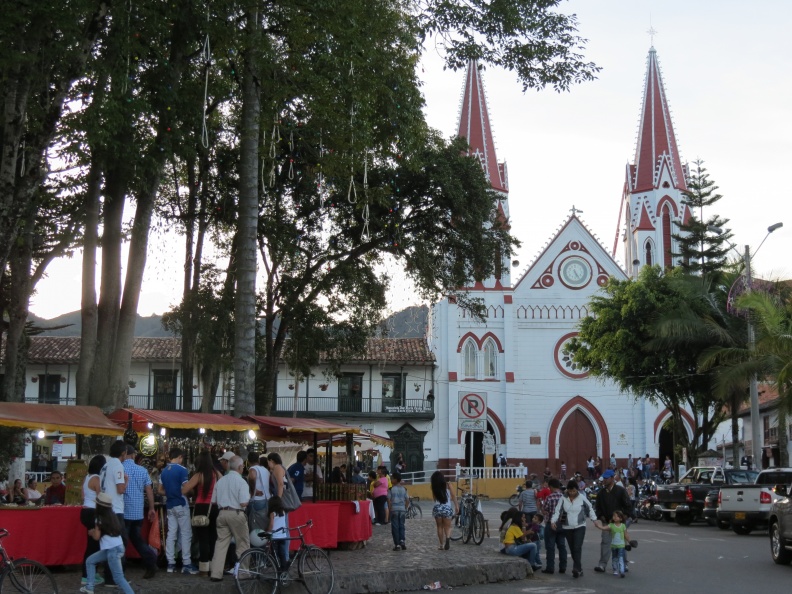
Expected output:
(403, 546)
(190, 570)
(98, 580)
(171, 567)
(397, 548)
(85, 590)
(621, 575)
(615, 573)
(599, 569)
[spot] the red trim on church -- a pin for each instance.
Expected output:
(577, 402)
(452, 376)
(480, 342)
(507, 299)
(510, 377)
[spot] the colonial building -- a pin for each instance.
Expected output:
(507, 378)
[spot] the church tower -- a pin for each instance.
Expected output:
(474, 125)
(653, 201)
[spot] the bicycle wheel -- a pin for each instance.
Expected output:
(316, 570)
(414, 511)
(477, 527)
(457, 527)
(256, 572)
(467, 531)
(28, 576)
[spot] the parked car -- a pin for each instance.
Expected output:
(747, 507)
(780, 522)
(710, 513)
(684, 501)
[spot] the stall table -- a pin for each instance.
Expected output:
(50, 535)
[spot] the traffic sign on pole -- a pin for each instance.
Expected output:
(472, 411)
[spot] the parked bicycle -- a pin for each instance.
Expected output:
(23, 575)
(469, 523)
(414, 511)
(258, 570)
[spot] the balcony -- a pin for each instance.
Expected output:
(171, 402)
(359, 407)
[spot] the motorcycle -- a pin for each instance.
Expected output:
(515, 498)
(647, 509)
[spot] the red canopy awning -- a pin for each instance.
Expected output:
(291, 429)
(140, 418)
(84, 420)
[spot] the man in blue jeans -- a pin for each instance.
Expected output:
(139, 490)
(554, 538)
(173, 476)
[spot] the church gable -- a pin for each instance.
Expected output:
(573, 261)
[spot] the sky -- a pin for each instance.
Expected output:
(725, 66)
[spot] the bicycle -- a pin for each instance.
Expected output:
(414, 511)
(469, 523)
(24, 575)
(258, 570)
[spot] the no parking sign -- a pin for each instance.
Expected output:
(472, 411)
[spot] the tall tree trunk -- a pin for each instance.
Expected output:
(247, 226)
(20, 265)
(88, 306)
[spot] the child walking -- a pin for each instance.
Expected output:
(398, 502)
(279, 531)
(619, 537)
(107, 530)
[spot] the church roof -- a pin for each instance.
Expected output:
(474, 125)
(656, 137)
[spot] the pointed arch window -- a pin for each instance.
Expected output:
(667, 247)
(490, 359)
(469, 358)
(649, 252)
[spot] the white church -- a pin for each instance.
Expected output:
(508, 376)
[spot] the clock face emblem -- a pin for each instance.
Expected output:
(575, 272)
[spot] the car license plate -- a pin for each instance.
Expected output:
(739, 516)
(673, 505)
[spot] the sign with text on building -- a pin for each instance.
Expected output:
(472, 411)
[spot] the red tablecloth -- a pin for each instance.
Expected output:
(353, 526)
(50, 535)
(324, 532)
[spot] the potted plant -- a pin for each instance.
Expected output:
(323, 387)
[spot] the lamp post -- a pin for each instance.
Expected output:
(752, 384)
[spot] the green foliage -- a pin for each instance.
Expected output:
(703, 252)
(12, 446)
(628, 340)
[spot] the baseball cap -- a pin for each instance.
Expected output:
(104, 499)
(608, 474)
(228, 455)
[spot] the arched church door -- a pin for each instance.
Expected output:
(577, 443)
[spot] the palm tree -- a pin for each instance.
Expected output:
(706, 323)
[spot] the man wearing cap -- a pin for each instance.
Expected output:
(224, 459)
(138, 490)
(231, 495)
(610, 498)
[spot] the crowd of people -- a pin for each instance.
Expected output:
(554, 516)
(220, 505)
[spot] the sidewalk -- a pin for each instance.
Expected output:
(375, 568)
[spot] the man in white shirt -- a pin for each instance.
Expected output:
(231, 495)
(113, 481)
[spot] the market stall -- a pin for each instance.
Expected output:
(346, 518)
(50, 534)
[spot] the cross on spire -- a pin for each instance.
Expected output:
(574, 210)
(652, 32)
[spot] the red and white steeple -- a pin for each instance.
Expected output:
(474, 125)
(652, 202)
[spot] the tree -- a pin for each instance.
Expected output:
(619, 342)
(703, 252)
(771, 357)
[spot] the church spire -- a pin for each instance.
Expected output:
(474, 125)
(657, 145)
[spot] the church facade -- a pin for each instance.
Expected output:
(505, 385)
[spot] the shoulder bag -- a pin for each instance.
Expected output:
(290, 498)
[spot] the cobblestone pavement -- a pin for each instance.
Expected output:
(374, 568)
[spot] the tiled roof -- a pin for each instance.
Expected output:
(398, 350)
(66, 349)
(768, 399)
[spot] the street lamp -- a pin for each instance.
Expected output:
(754, 392)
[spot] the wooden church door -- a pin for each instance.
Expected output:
(577, 443)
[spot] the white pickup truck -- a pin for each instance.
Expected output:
(747, 507)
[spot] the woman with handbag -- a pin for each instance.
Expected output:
(281, 485)
(204, 519)
(571, 513)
